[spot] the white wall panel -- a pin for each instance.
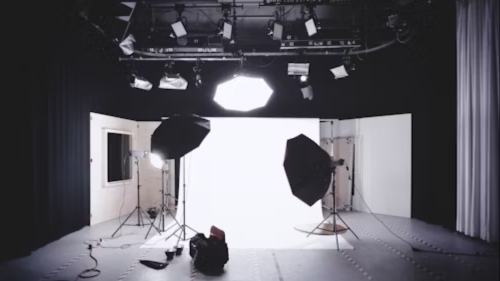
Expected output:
(106, 201)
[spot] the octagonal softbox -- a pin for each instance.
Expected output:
(179, 135)
(308, 169)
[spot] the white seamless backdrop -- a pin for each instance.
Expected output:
(236, 181)
(237, 175)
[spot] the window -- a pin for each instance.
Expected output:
(119, 166)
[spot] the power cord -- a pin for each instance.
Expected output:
(91, 272)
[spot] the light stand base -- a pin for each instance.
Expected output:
(164, 211)
(140, 221)
(182, 234)
(323, 229)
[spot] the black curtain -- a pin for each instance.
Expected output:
(57, 81)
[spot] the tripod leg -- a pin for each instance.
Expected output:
(183, 231)
(168, 211)
(141, 220)
(191, 229)
(173, 233)
(124, 222)
(152, 225)
(348, 227)
(318, 226)
(336, 231)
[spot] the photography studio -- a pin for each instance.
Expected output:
(254, 140)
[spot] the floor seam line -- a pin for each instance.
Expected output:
(454, 257)
(416, 264)
(61, 268)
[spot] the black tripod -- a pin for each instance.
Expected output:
(182, 228)
(164, 208)
(334, 214)
(140, 211)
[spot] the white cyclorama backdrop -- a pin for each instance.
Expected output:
(236, 181)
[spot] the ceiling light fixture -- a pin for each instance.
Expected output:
(179, 27)
(139, 82)
(243, 93)
(277, 31)
(307, 91)
(343, 70)
(298, 69)
(311, 27)
(312, 24)
(171, 80)
(227, 31)
(225, 26)
(197, 74)
(127, 45)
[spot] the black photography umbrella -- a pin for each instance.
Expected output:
(308, 169)
(179, 135)
(173, 139)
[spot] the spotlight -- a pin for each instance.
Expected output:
(179, 29)
(307, 91)
(156, 161)
(343, 70)
(311, 27)
(303, 78)
(339, 72)
(198, 82)
(298, 69)
(171, 80)
(243, 93)
(127, 45)
(139, 82)
(197, 74)
(227, 31)
(277, 31)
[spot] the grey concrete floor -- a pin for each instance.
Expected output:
(378, 255)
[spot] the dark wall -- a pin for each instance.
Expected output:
(434, 140)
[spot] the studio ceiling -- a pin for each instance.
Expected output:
(390, 81)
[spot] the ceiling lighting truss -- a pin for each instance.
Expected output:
(273, 3)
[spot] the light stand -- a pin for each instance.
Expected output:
(140, 219)
(164, 207)
(182, 228)
(334, 214)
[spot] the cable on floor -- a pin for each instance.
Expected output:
(91, 272)
(415, 249)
